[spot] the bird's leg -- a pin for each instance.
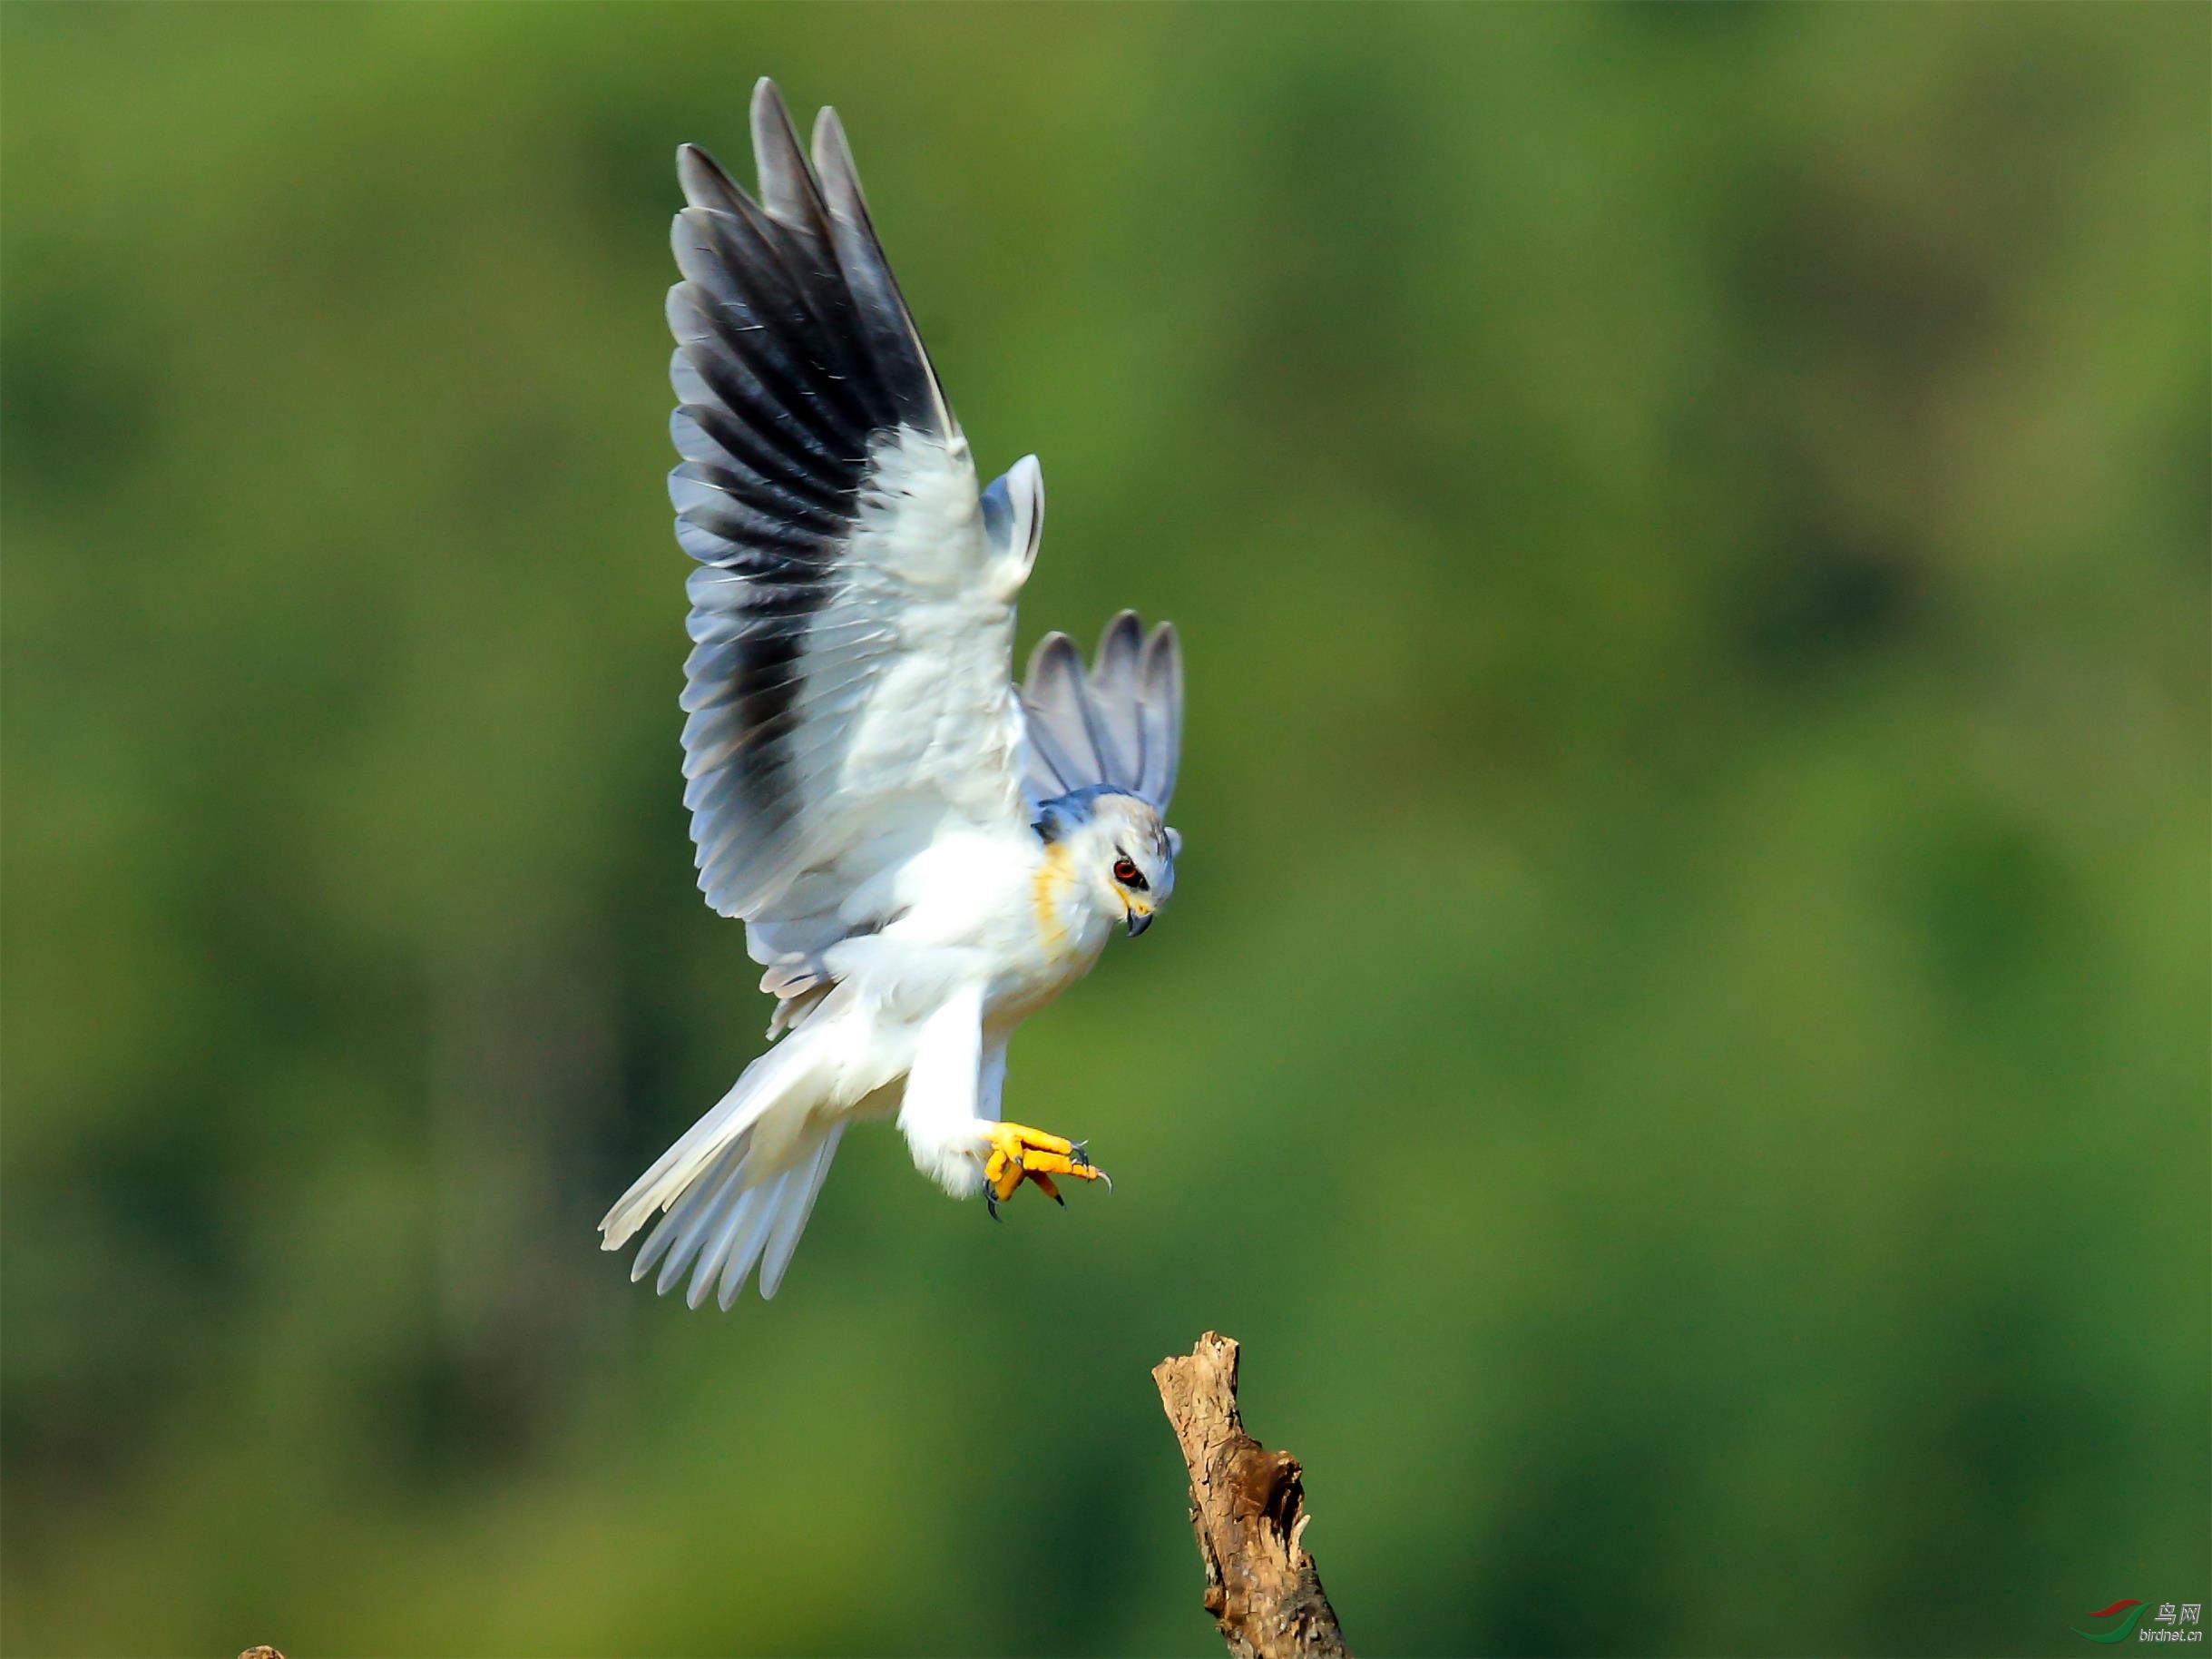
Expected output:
(1020, 1153)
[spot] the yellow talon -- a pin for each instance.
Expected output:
(1020, 1153)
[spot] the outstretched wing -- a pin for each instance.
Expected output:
(852, 608)
(1120, 724)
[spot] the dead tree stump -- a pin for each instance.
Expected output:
(1247, 1507)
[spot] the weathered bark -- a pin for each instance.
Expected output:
(1247, 1507)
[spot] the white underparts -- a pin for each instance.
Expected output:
(939, 1115)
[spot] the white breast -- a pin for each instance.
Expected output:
(1055, 940)
(1006, 912)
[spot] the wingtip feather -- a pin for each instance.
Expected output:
(704, 180)
(787, 189)
(833, 164)
(1054, 647)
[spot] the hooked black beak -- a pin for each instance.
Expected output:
(1139, 921)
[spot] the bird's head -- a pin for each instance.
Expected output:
(1123, 857)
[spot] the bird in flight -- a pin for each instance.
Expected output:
(924, 853)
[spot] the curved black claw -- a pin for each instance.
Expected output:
(990, 1201)
(1081, 1159)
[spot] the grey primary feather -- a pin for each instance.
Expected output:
(1159, 710)
(879, 307)
(794, 352)
(1120, 724)
(1115, 690)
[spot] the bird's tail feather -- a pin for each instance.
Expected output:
(727, 1206)
(722, 1223)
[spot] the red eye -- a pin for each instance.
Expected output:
(1125, 873)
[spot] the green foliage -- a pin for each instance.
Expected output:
(1681, 1047)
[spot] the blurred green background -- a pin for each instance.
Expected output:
(1681, 1044)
